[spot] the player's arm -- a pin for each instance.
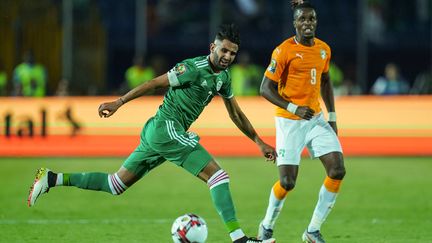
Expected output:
(269, 90)
(109, 108)
(243, 123)
(328, 98)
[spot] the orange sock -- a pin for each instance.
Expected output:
(279, 192)
(332, 185)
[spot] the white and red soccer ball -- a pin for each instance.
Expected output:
(189, 228)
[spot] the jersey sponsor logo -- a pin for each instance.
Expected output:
(272, 67)
(180, 69)
(218, 84)
(323, 54)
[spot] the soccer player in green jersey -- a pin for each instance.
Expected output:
(193, 84)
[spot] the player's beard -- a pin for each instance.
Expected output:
(217, 62)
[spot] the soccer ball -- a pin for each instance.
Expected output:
(189, 228)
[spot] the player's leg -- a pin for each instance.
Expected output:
(290, 141)
(97, 181)
(200, 163)
(334, 165)
(137, 165)
(140, 162)
(218, 182)
(278, 194)
(326, 146)
(115, 183)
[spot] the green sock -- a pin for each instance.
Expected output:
(89, 181)
(222, 200)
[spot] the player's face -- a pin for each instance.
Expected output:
(305, 23)
(223, 53)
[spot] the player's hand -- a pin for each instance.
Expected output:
(109, 108)
(305, 112)
(268, 151)
(334, 126)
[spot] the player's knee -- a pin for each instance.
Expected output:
(287, 183)
(116, 185)
(337, 173)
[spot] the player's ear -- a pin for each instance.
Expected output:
(212, 47)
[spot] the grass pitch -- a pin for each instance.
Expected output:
(381, 200)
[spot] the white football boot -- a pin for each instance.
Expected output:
(39, 187)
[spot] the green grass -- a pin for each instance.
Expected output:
(382, 200)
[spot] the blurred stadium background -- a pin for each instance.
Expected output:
(92, 43)
(86, 47)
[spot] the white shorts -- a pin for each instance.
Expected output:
(293, 135)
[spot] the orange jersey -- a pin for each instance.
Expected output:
(297, 69)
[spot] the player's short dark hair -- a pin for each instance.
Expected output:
(300, 4)
(229, 32)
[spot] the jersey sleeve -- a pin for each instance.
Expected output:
(226, 90)
(327, 63)
(277, 64)
(181, 74)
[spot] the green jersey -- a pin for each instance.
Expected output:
(193, 85)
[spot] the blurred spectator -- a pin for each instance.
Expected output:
(374, 21)
(342, 86)
(423, 11)
(29, 78)
(391, 83)
(246, 77)
(249, 14)
(3, 81)
(248, 7)
(422, 84)
(62, 88)
(159, 65)
(337, 78)
(138, 74)
(192, 10)
(348, 87)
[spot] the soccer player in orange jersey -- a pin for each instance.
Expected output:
(294, 80)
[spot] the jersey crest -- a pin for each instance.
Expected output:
(323, 54)
(218, 84)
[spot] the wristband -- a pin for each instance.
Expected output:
(332, 116)
(292, 107)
